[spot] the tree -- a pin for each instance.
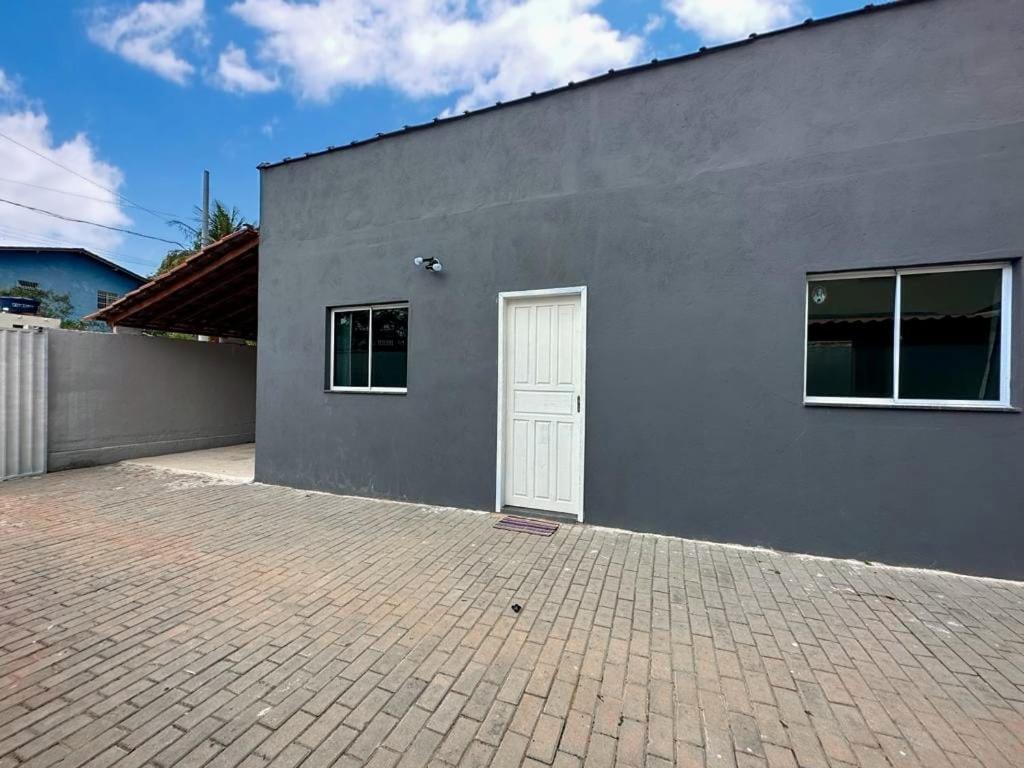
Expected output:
(222, 223)
(52, 304)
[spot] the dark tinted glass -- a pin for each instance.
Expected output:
(950, 335)
(351, 348)
(850, 337)
(390, 334)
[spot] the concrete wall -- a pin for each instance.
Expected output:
(72, 273)
(114, 397)
(692, 200)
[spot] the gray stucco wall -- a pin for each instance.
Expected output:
(115, 397)
(692, 200)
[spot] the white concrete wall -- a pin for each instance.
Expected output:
(10, 320)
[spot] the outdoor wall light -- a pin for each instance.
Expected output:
(430, 264)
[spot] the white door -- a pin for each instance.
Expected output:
(543, 402)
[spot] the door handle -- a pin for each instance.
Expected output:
(577, 403)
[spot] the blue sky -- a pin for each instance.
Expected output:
(135, 99)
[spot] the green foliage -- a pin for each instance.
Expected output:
(172, 259)
(222, 223)
(52, 304)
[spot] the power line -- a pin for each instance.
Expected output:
(92, 223)
(75, 194)
(79, 175)
(30, 239)
(33, 239)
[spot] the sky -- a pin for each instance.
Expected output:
(110, 110)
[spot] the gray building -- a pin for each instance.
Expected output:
(760, 294)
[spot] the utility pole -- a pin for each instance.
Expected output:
(205, 240)
(204, 236)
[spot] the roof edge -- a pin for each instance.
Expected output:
(82, 251)
(609, 75)
(148, 285)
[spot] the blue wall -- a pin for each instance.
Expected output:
(68, 272)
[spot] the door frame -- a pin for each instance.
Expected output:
(504, 297)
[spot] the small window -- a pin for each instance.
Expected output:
(105, 299)
(369, 348)
(27, 284)
(929, 336)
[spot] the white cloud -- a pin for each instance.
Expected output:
(235, 73)
(718, 20)
(7, 87)
(148, 34)
(486, 51)
(654, 23)
(29, 179)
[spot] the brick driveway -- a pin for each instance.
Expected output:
(149, 618)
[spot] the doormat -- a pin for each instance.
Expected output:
(527, 525)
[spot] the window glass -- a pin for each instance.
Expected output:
(950, 335)
(390, 331)
(105, 298)
(351, 348)
(850, 337)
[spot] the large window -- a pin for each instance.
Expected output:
(923, 336)
(368, 348)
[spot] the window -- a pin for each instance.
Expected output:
(105, 299)
(368, 348)
(922, 336)
(27, 284)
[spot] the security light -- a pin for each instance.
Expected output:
(430, 263)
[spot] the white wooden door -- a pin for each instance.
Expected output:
(543, 349)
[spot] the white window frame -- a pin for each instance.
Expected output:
(369, 359)
(1005, 345)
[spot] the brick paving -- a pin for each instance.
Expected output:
(154, 619)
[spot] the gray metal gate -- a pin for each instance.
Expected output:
(23, 356)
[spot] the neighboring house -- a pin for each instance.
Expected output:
(774, 281)
(91, 281)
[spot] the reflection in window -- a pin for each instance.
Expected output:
(390, 329)
(850, 337)
(351, 348)
(950, 335)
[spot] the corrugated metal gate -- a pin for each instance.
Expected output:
(22, 402)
